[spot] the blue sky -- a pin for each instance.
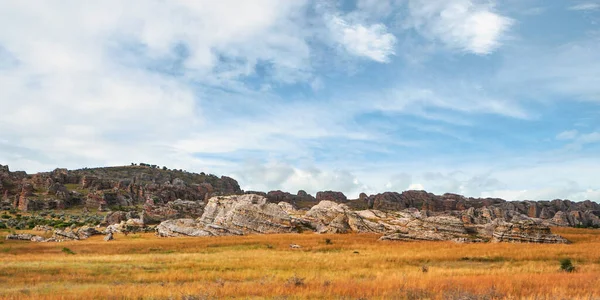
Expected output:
(483, 98)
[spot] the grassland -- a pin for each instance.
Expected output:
(349, 267)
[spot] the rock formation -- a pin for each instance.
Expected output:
(106, 188)
(331, 196)
(528, 231)
(177, 209)
(232, 215)
(253, 214)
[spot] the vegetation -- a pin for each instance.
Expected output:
(566, 265)
(56, 219)
(355, 266)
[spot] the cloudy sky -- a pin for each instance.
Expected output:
(478, 97)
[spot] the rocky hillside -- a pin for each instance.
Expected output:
(160, 194)
(108, 188)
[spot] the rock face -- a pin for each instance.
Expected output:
(435, 228)
(301, 199)
(253, 214)
(331, 196)
(527, 231)
(331, 217)
(177, 209)
(106, 188)
(232, 215)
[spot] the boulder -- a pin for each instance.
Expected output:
(62, 235)
(86, 232)
(114, 217)
(20, 237)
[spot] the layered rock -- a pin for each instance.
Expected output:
(247, 213)
(232, 215)
(178, 209)
(253, 214)
(105, 188)
(331, 217)
(528, 231)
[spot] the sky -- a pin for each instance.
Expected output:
(483, 98)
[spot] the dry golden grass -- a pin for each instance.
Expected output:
(352, 267)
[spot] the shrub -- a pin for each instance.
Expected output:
(328, 241)
(566, 265)
(67, 250)
(5, 216)
(295, 281)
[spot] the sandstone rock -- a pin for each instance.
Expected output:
(20, 237)
(232, 215)
(301, 199)
(37, 239)
(331, 217)
(331, 196)
(86, 232)
(247, 213)
(177, 209)
(114, 217)
(65, 235)
(191, 227)
(526, 232)
(561, 219)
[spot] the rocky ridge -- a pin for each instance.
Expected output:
(253, 214)
(199, 204)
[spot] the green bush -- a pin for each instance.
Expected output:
(67, 250)
(566, 265)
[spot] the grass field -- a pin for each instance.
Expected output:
(349, 267)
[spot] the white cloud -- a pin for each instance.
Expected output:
(370, 41)
(577, 139)
(461, 24)
(84, 76)
(585, 6)
(567, 135)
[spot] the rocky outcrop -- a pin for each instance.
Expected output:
(104, 188)
(301, 199)
(192, 227)
(178, 209)
(114, 217)
(247, 213)
(528, 231)
(232, 215)
(21, 237)
(253, 214)
(331, 196)
(331, 217)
